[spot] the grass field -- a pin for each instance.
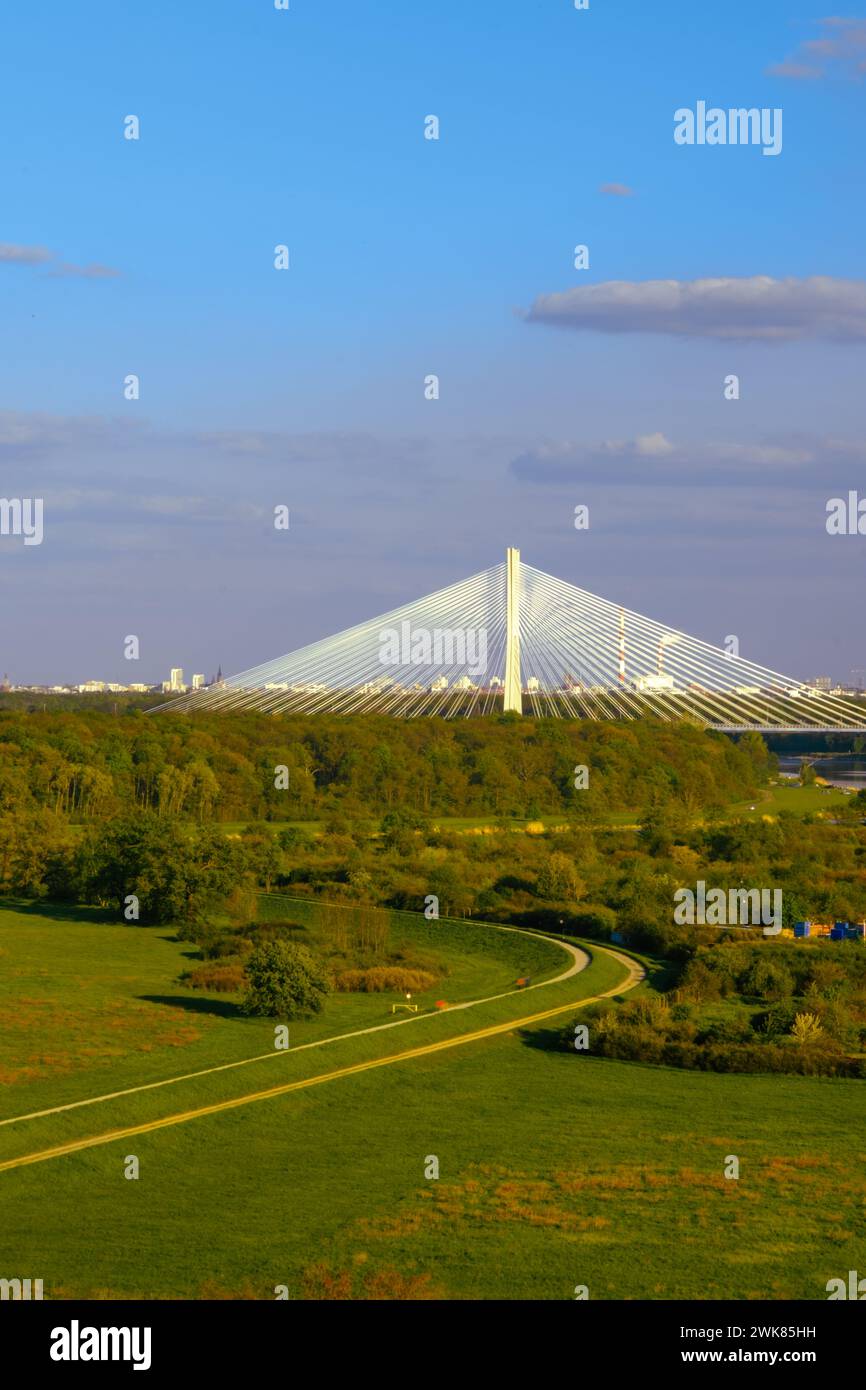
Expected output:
(788, 796)
(82, 994)
(555, 1169)
(800, 801)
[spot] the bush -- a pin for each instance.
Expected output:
(645, 1030)
(593, 919)
(727, 1030)
(381, 978)
(806, 1029)
(285, 981)
(682, 1013)
(292, 838)
(221, 979)
(213, 942)
(776, 1022)
(701, 982)
(767, 980)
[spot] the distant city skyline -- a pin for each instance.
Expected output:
(581, 285)
(198, 680)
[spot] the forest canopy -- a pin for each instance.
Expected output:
(94, 764)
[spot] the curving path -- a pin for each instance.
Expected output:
(580, 959)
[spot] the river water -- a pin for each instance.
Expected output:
(839, 769)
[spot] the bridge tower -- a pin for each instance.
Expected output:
(513, 687)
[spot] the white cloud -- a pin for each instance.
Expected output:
(839, 52)
(23, 255)
(756, 308)
(11, 254)
(85, 272)
(653, 460)
(653, 444)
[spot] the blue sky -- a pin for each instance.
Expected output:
(411, 257)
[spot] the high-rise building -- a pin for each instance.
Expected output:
(198, 682)
(821, 683)
(175, 681)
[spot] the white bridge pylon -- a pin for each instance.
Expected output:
(516, 639)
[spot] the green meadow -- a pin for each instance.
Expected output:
(88, 1004)
(791, 797)
(783, 796)
(555, 1169)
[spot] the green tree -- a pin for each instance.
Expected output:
(763, 761)
(805, 1029)
(398, 829)
(177, 873)
(558, 880)
(292, 839)
(284, 981)
(451, 883)
(661, 827)
(263, 854)
(768, 979)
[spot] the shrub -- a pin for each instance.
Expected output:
(215, 943)
(293, 838)
(806, 1028)
(727, 1030)
(766, 979)
(381, 978)
(593, 919)
(701, 982)
(681, 1013)
(221, 979)
(776, 1022)
(644, 1030)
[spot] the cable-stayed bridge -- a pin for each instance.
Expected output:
(513, 638)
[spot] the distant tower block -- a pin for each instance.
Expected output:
(513, 689)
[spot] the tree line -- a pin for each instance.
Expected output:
(93, 765)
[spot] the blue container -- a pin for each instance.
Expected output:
(802, 928)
